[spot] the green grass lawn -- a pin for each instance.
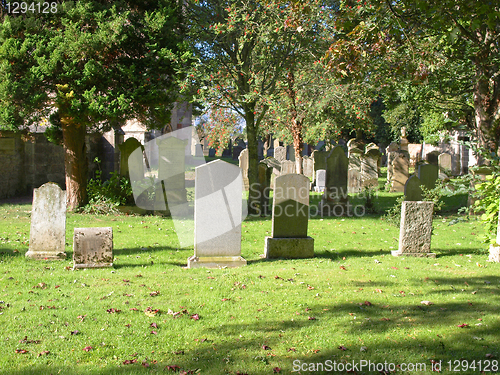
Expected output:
(148, 314)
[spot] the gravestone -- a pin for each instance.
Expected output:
(320, 160)
(369, 166)
(428, 174)
(335, 198)
(290, 219)
(287, 167)
(415, 230)
(171, 173)
(391, 152)
(206, 147)
(93, 247)
(218, 214)
(432, 157)
(413, 191)
(403, 142)
(280, 153)
(243, 163)
(290, 150)
(307, 166)
(320, 180)
(265, 172)
(355, 181)
(444, 163)
(126, 149)
(48, 223)
(400, 172)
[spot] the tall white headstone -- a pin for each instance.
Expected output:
(218, 214)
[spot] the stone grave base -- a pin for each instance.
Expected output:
(396, 253)
(215, 262)
(494, 253)
(292, 248)
(49, 255)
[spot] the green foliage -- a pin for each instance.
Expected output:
(106, 196)
(393, 215)
(488, 195)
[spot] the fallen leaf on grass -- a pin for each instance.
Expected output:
(26, 341)
(75, 332)
(87, 349)
(145, 364)
(427, 303)
(343, 268)
(153, 325)
(195, 317)
(310, 288)
(154, 332)
(151, 312)
(154, 294)
(311, 318)
(45, 352)
(226, 299)
(129, 361)
(292, 350)
(113, 311)
(366, 303)
(276, 370)
(20, 351)
(464, 325)
(265, 347)
(342, 347)
(489, 355)
(134, 309)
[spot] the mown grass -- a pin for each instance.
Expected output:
(257, 319)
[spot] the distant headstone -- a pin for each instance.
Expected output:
(211, 152)
(369, 166)
(290, 219)
(400, 172)
(432, 157)
(428, 174)
(355, 181)
(335, 199)
(126, 149)
(171, 173)
(403, 142)
(413, 191)
(243, 163)
(48, 223)
(206, 147)
(280, 153)
(392, 153)
(320, 180)
(93, 247)
(287, 167)
(290, 150)
(265, 172)
(444, 162)
(217, 216)
(415, 230)
(307, 166)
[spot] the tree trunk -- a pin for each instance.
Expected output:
(295, 124)
(253, 160)
(75, 162)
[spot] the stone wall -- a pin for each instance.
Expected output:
(29, 162)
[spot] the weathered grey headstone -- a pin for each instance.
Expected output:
(391, 152)
(428, 174)
(307, 166)
(403, 142)
(48, 223)
(93, 247)
(320, 160)
(444, 162)
(369, 166)
(400, 171)
(171, 173)
(355, 181)
(415, 230)
(290, 150)
(335, 199)
(290, 219)
(206, 147)
(265, 172)
(217, 216)
(243, 162)
(280, 153)
(413, 191)
(126, 149)
(287, 167)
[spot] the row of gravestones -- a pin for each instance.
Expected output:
(217, 240)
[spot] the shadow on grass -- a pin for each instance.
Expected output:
(396, 333)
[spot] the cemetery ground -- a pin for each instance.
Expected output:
(353, 301)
